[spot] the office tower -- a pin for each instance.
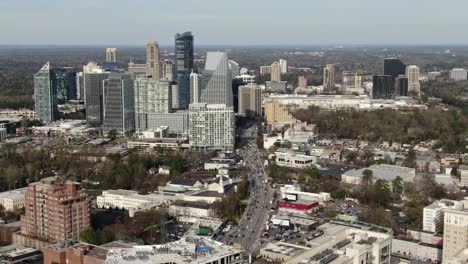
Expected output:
(302, 82)
(382, 87)
(111, 55)
(284, 66)
(79, 86)
(275, 72)
(265, 70)
(347, 80)
(118, 103)
(215, 80)
(394, 67)
(153, 68)
(234, 68)
(433, 214)
(175, 96)
(94, 76)
(168, 70)
(194, 88)
(55, 210)
(184, 66)
(236, 83)
(401, 86)
(329, 78)
(137, 69)
(412, 73)
(53, 86)
(211, 127)
(456, 235)
(458, 74)
(151, 96)
(250, 100)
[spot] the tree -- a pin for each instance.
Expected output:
(397, 185)
(89, 236)
(367, 177)
(112, 134)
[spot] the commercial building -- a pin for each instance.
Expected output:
(412, 73)
(12, 200)
(265, 70)
(383, 87)
(216, 80)
(234, 68)
(416, 250)
(111, 55)
(250, 100)
(458, 74)
(118, 103)
(151, 97)
(55, 210)
(380, 172)
(294, 160)
(184, 66)
(16, 253)
(75, 252)
(393, 67)
(168, 70)
(194, 88)
(137, 70)
(211, 126)
(275, 71)
(284, 66)
(329, 78)
(433, 214)
(94, 77)
(177, 122)
(237, 82)
(456, 235)
(463, 170)
(276, 87)
(191, 209)
(401, 86)
(153, 67)
(278, 114)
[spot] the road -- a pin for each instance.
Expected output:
(247, 233)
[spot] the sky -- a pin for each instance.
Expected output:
(234, 22)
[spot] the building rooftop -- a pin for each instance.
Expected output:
(16, 250)
(208, 194)
(385, 172)
(13, 194)
(198, 205)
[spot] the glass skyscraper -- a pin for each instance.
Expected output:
(216, 80)
(184, 66)
(118, 103)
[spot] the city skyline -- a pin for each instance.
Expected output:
(341, 22)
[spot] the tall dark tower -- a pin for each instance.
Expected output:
(184, 66)
(394, 67)
(382, 87)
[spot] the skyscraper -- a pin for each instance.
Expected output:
(93, 77)
(284, 66)
(53, 86)
(79, 86)
(168, 70)
(216, 81)
(412, 73)
(153, 68)
(111, 55)
(194, 88)
(348, 80)
(55, 210)
(275, 72)
(211, 127)
(329, 78)
(382, 87)
(184, 66)
(118, 103)
(151, 96)
(250, 100)
(394, 68)
(265, 70)
(401, 86)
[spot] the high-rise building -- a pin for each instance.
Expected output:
(329, 78)
(168, 70)
(401, 86)
(118, 103)
(175, 96)
(284, 66)
(433, 214)
(237, 82)
(111, 55)
(394, 67)
(79, 86)
(55, 210)
(53, 86)
(94, 76)
(194, 88)
(265, 70)
(184, 66)
(153, 68)
(234, 68)
(347, 80)
(302, 82)
(151, 96)
(458, 74)
(211, 127)
(137, 69)
(382, 87)
(456, 235)
(250, 100)
(412, 73)
(215, 80)
(275, 72)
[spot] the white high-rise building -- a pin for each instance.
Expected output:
(329, 78)
(111, 55)
(168, 70)
(265, 70)
(153, 68)
(194, 88)
(151, 96)
(412, 73)
(275, 72)
(284, 65)
(455, 249)
(433, 214)
(211, 127)
(458, 74)
(216, 80)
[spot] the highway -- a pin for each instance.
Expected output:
(248, 231)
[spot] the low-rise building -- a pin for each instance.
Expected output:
(191, 209)
(416, 250)
(294, 160)
(19, 254)
(74, 252)
(463, 170)
(379, 171)
(13, 200)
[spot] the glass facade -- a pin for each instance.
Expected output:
(184, 66)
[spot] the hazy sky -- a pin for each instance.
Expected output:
(237, 22)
